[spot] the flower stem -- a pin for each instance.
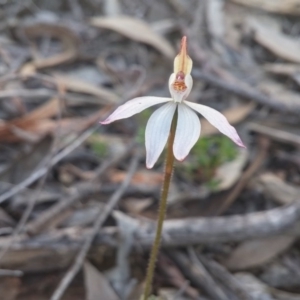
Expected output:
(162, 208)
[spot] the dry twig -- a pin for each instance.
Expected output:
(191, 231)
(198, 275)
(42, 171)
(82, 191)
(225, 277)
(103, 214)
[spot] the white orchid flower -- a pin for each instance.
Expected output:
(188, 124)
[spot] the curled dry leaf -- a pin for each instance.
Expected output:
(290, 7)
(282, 45)
(68, 38)
(136, 30)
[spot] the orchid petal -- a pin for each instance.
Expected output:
(133, 107)
(157, 132)
(187, 131)
(218, 120)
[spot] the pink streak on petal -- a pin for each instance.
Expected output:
(218, 120)
(133, 107)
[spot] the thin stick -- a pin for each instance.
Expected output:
(197, 274)
(162, 209)
(103, 214)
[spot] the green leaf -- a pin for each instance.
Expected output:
(99, 148)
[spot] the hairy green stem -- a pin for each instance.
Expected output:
(162, 208)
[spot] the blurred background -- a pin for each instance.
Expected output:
(77, 205)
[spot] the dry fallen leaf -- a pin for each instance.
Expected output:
(257, 252)
(137, 205)
(37, 124)
(96, 285)
(229, 173)
(28, 69)
(145, 178)
(282, 45)
(34, 260)
(137, 30)
(68, 38)
(49, 109)
(277, 131)
(288, 69)
(79, 86)
(277, 189)
(276, 6)
(282, 69)
(73, 171)
(29, 126)
(279, 91)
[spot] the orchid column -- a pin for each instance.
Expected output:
(177, 123)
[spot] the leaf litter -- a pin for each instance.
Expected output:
(65, 66)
